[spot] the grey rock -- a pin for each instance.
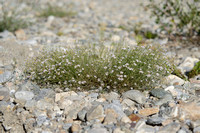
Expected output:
(45, 93)
(98, 130)
(66, 126)
(135, 95)
(146, 130)
(6, 34)
(3, 105)
(30, 104)
(188, 64)
(30, 86)
(94, 95)
(117, 107)
(170, 128)
(184, 130)
(111, 96)
(24, 95)
(140, 124)
(4, 94)
(165, 99)
(44, 105)
(195, 123)
(6, 76)
(41, 120)
(165, 110)
(196, 130)
(155, 120)
(82, 114)
(47, 132)
(96, 112)
(174, 80)
(159, 93)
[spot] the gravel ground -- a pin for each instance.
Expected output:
(25, 107)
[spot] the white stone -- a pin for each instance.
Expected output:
(174, 80)
(125, 119)
(188, 64)
(115, 38)
(171, 90)
(24, 95)
(118, 130)
(60, 96)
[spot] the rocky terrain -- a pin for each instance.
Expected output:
(25, 107)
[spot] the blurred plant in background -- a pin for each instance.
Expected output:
(181, 17)
(57, 11)
(13, 15)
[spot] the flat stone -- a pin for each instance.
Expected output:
(196, 130)
(135, 95)
(30, 86)
(96, 112)
(98, 130)
(118, 130)
(148, 111)
(93, 95)
(64, 103)
(82, 114)
(63, 95)
(159, 93)
(6, 76)
(128, 103)
(111, 116)
(24, 95)
(165, 99)
(125, 119)
(189, 110)
(110, 96)
(30, 104)
(188, 64)
(170, 128)
(195, 123)
(155, 121)
(44, 93)
(6, 34)
(140, 124)
(4, 94)
(44, 105)
(174, 80)
(41, 120)
(117, 107)
(146, 130)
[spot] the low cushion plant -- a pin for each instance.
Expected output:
(115, 67)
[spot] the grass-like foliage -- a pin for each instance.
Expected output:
(195, 71)
(183, 16)
(11, 19)
(56, 11)
(117, 67)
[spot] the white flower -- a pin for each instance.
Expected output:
(141, 71)
(148, 75)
